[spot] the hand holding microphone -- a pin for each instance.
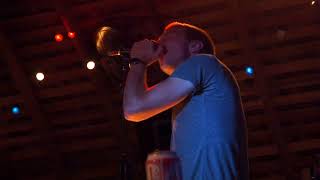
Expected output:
(109, 43)
(148, 51)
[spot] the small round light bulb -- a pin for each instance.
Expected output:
(249, 70)
(71, 35)
(91, 65)
(40, 76)
(58, 37)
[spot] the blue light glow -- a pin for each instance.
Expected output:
(249, 70)
(15, 110)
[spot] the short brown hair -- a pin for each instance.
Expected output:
(196, 33)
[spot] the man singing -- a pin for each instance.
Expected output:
(209, 131)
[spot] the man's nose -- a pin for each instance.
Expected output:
(161, 39)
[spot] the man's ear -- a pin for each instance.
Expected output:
(195, 46)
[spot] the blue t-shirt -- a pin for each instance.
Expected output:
(209, 131)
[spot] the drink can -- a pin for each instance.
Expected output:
(163, 165)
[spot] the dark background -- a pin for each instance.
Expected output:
(70, 123)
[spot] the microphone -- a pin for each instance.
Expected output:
(109, 42)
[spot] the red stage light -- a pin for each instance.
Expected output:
(58, 37)
(71, 35)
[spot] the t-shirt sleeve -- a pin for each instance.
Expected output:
(194, 70)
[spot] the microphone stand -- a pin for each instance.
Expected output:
(109, 42)
(120, 78)
(124, 162)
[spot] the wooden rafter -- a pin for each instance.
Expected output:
(262, 83)
(282, 117)
(124, 131)
(32, 106)
(82, 51)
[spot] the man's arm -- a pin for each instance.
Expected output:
(141, 103)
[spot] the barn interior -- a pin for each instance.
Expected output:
(61, 100)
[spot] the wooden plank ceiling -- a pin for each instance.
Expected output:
(72, 118)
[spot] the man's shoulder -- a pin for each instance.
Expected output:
(197, 63)
(203, 58)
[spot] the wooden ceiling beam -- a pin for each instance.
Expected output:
(75, 103)
(80, 88)
(305, 64)
(32, 51)
(37, 21)
(61, 60)
(11, 100)
(266, 150)
(122, 127)
(32, 106)
(243, 22)
(13, 128)
(262, 6)
(176, 8)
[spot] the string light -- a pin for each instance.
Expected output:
(15, 110)
(71, 35)
(91, 65)
(249, 70)
(58, 37)
(40, 76)
(313, 2)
